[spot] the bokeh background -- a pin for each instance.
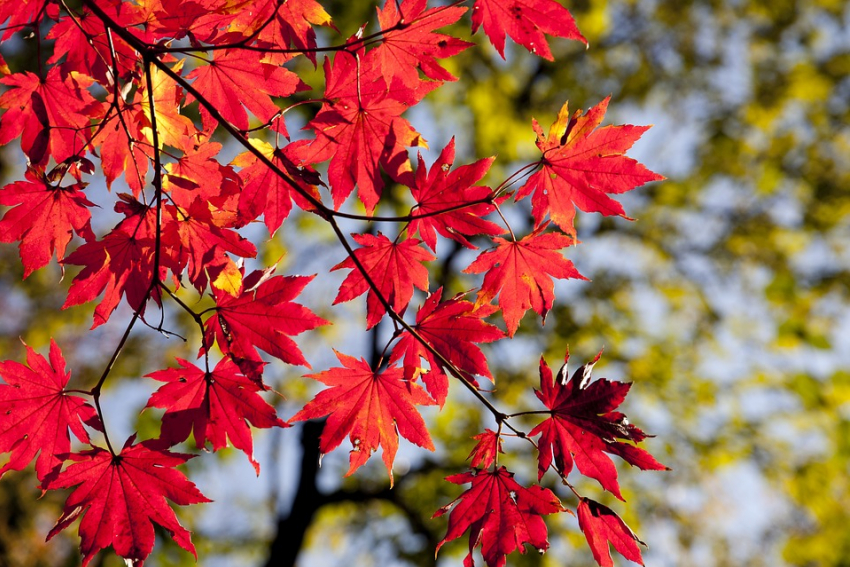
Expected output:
(727, 303)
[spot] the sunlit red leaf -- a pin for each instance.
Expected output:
(413, 44)
(235, 78)
(122, 263)
(394, 267)
(120, 498)
(601, 526)
(371, 408)
(582, 164)
(200, 244)
(291, 25)
(268, 194)
(521, 273)
(484, 453)
(441, 190)
(263, 316)
(122, 147)
(83, 46)
(36, 413)
(51, 116)
(196, 174)
(360, 128)
(217, 406)
(584, 426)
(16, 15)
(500, 514)
(44, 217)
(526, 22)
(452, 328)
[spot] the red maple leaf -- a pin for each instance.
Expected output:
(360, 128)
(581, 165)
(371, 408)
(175, 19)
(119, 264)
(260, 315)
(235, 78)
(199, 243)
(291, 25)
(452, 328)
(20, 14)
(120, 148)
(442, 190)
(36, 413)
(52, 116)
(526, 21)
(500, 514)
(521, 274)
(217, 406)
(44, 217)
(199, 175)
(486, 450)
(121, 496)
(173, 128)
(196, 174)
(584, 426)
(601, 525)
(266, 193)
(83, 46)
(122, 263)
(393, 267)
(413, 45)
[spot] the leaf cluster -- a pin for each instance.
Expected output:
(118, 96)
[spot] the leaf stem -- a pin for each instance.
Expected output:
(504, 220)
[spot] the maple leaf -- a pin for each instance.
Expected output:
(263, 316)
(122, 263)
(500, 514)
(581, 165)
(172, 127)
(175, 19)
(371, 408)
(526, 22)
(393, 267)
(118, 264)
(583, 426)
(20, 14)
(121, 496)
(196, 174)
(361, 130)
(442, 190)
(521, 274)
(215, 405)
(452, 328)
(199, 175)
(292, 24)
(235, 78)
(485, 451)
(601, 525)
(120, 147)
(83, 46)
(52, 117)
(44, 217)
(200, 243)
(413, 45)
(36, 413)
(264, 192)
